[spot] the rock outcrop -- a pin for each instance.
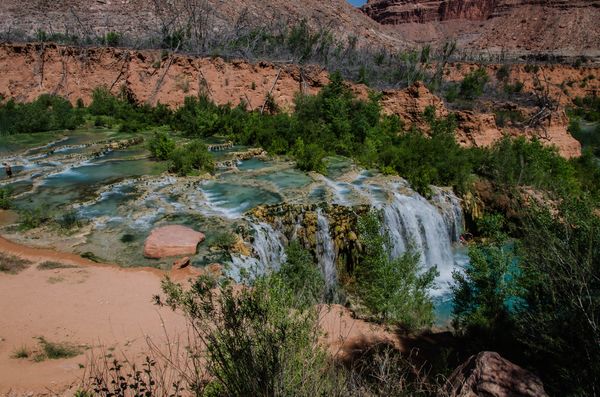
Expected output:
(566, 27)
(488, 374)
(173, 240)
(479, 129)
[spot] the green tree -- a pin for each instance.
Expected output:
(393, 290)
(473, 84)
(161, 145)
(300, 273)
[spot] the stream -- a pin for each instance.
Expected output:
(123, 195)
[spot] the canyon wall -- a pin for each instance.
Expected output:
(29, 70)
(565, 27)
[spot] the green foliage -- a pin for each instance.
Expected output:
(56, 351)
(504, 117)
(484, 293)
(161, 146)
(503, 73)
(191, 159)
(473, 84)
(518, 162)
(69, 220)
(491, 225)
(224, 240)
(587, 108)
(309, 157)
(515, 88)
(124, 108)
(34, 218)
(260, 340)
(560, 268)
(112, 39)
(424, 161)
(5, 198)
(301, 274)
(47, 113)
(393, 290)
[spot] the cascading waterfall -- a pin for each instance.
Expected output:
(269, 251)
(412, 221)
(326, 250)
(451, 209)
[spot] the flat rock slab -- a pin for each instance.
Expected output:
(172, 240)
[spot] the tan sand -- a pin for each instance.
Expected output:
(108, 310)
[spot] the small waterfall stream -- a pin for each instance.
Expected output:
(326, 251)
(268, 248)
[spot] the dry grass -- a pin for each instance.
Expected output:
(54, 265)
(12, 264)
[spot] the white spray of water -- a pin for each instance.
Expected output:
(326, 250)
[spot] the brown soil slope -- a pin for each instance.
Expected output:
(30, 70)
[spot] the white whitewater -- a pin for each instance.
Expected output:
(268, 249)
(412, 221)
(326, 251)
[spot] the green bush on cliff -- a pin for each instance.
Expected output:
(473, 84)
(393, 290)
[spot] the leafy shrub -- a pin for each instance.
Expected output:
(191, 159)
(503, 73)
(47, 113)
(112, 39)
(300, 273)
(161, 145)
(259, 341)
(34, 218)
(69, 220)
(515, 88)
(393, 290)
(484, 291)
(21, 352)
(473, 84)
(5, 200)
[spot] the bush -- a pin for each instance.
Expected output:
(484, 292)
(393, 290)
(260, 340)
(47, 113)
(112, 39)
(191, 159)
(5, 200)
(56, 351)
(301, 274)
(473, 84)
(12, 264)
(161, 146)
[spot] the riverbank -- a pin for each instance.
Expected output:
(106, 310)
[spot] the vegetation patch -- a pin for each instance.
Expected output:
(49, 265)
(21, 352)
(12, 264)
(55, 350)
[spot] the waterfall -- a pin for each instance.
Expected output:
(326, 250)
(268, 249)
(412, 221)
(451, 208)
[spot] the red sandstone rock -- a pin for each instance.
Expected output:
(181, 263)
(488, 374)
(172, 241)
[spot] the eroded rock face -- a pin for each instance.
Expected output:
(488, 374)
(173, 240)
